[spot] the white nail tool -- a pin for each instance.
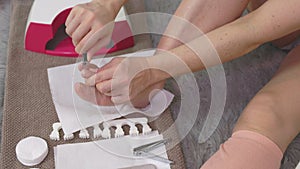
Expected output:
(144, 150)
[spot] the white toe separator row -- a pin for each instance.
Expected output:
(131, 122)
(106, 133)
(56, 127)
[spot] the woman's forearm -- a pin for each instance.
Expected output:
(273, 20)
(205, 15)
(114, 5)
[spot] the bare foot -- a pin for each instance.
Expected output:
(91, 94)
(143, 99)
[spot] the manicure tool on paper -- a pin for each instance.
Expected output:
(144, 150)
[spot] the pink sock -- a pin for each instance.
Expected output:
(246, 150)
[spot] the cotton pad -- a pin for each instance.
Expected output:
(31, 151)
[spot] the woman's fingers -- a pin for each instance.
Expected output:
(70, 16)
(86, 93)
(80, 32)
(87, 70)
(95, 48)
(90, 66)
(72, 26)
(120, 99)
(79, 47)
(100, 76)
(100, 38)
(95, 37)
(88, 24)
(104, 87)
(87, 73)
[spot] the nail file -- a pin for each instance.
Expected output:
(85, 60)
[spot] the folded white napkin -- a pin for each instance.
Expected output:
(298, 166)
(109, 154)
(76, 114)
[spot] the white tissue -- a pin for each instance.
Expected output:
(76, 114)
(109, 154)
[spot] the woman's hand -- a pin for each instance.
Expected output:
(124, 78)
(90, 25)
(90, 92)
(92, 95)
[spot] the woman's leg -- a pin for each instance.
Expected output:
(268, 124)
(283, 41)
(275, 110)
(204, 14)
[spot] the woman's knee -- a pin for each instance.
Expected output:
(263, 116)
(246, 149)
(286, 41)
(260, 113)
(254, 4)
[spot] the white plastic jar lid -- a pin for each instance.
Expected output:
(31, 150)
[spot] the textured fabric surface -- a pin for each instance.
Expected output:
(28, 108)
(4, 26)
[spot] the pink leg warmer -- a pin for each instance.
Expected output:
(246, 150)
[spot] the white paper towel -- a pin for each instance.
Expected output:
(298, 166)
(109, 154)
(76, 114)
